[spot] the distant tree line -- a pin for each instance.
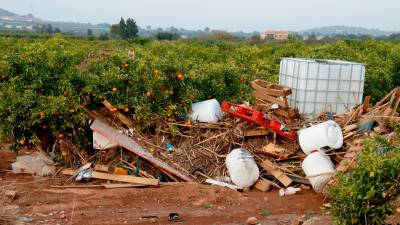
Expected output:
(46, 28)
(125, 30)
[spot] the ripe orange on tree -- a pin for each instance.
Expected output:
(180, 76)
(126, 65)
(149, 93)
(22, 142)
(114, 89)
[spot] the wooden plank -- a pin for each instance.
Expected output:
(268, 98)
(262, 185)
(110, 186)
(120, 116)
(117, 177)
(276, 172)
(134, 147)
(271, 89)
(396, 106)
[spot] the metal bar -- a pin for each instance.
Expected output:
(316, 89)
(329, 76)
(306, 91)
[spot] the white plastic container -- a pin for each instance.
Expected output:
(208, 111)
(102, 142)
(322, 85)
(242, 168)
(326, 134)
(319, 169)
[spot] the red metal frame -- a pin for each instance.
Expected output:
(257, 117)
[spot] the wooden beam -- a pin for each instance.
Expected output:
(120, 116)
(117, 177)
(133, 146)
(276, 172)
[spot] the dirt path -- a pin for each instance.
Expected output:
(196, 204)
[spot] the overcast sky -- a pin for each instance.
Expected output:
(232, 15)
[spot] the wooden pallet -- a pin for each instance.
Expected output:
(274, 94)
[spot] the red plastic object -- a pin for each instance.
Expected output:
(257, 117)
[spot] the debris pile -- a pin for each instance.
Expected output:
(261, 146)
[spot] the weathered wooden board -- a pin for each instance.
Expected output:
(130, 144)
(117, 177)
(276, 172)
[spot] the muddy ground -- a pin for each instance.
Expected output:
(39, 200)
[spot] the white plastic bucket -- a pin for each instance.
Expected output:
(326, 134)
(242, 168)
(208, 111)
(319, 168)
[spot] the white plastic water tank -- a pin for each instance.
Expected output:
(326, 134)
(208, 111)
(242, 168)
(319, 168)
(322, 85)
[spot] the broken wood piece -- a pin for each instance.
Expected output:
(275, 150)
(386, 97)
(365, 104)
(120, 116)
(117, 177)
(102, 168)
(133, 146)
(223, 184)
(276, 172)
(349, 128)
(256, 132)
(262, 185)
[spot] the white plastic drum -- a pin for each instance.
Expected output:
(319, 169)
(242, 168)
(208, 111)
(326, 134)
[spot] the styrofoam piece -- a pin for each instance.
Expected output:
(242, 168)
(322, 85)
(102, 142)
(319, 169)
(288, 191)
(208, 111)
(326, 134)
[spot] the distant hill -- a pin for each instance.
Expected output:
(345, 30)
(10, 21)
(4, 12)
